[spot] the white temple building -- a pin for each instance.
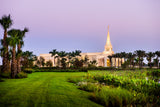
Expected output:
(100, 57)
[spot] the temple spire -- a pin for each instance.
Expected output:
(108, 46)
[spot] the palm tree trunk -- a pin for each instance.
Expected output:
(18, 60)
(5, 61)
(139, 62)
(13, 65)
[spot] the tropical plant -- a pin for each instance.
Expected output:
(131, 57)
(85, 61)
(13, 41)
(149, 56)
(27, 59)
(53, 54)
(62, 55)
(49, 63)
(157, 53)
(140, 54)
(21, 35)
(6, 23)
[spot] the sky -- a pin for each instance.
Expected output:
(82, 24)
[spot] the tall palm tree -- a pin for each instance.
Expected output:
(62, 55)
(21, 35)
(140, 54)
(149, 56)
(131, 57)
(13, 41)
(158, 55)
(6, 23)
(53, 53)
(124, 55)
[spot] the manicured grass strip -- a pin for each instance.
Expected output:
(46, 89)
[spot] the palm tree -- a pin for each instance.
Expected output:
(21, 35)
(131, 57)
(140, 54)
(62, 55)
(124, 55)
(6, 23)
(53, 53)
(27, 59)
(158, 55)
(13, 41)
(149, 56)
(49, 63)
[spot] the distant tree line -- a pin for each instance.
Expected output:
(136, 58)
(66, 59)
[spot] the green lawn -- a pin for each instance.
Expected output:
(44, 89)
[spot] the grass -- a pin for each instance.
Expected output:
(44, 89)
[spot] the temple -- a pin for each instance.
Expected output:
(101, 58)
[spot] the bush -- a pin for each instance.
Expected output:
(113, 97)
(75, 79)
(6, 75)
(154, 73)
(29, 70)
(21, 75)
(90, 87)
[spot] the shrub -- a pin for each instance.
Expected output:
(154, 73)
(29, 70)
(6, 75)
(113, 97)
(90, 87)
(75, 79)
(21, 75)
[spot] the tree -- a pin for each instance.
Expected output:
(62, 55)
(124, 55)
(149, 56)
(85, 61)
(6, 23)
(49, 63)
(27, 59)
(92, 63)
(131, 58)
(21, 35)
(53, 54)
(42, 61)
(140, 54)
(157, 53)
(13, 41)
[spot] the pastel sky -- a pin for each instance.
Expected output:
(82, 24)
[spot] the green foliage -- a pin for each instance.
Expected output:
(21, 75)
(88, 86)
(29, 70)
(121, 88)
(5, 74)
(113, 97)
(154, 73)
